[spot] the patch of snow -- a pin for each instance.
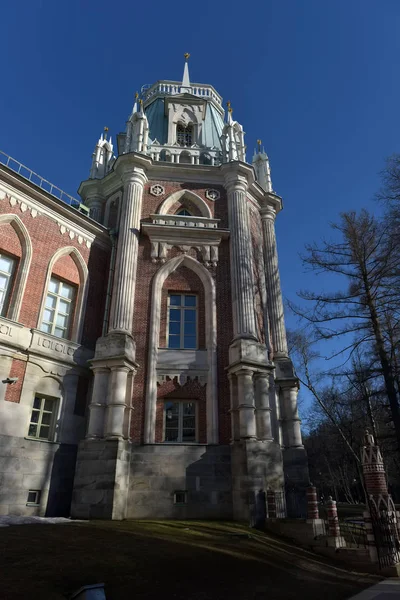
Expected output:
(6, 521)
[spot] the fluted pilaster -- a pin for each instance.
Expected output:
(117, 402)
(242, 279)
(97, 406)
(263, 410)
(122, 307)
(275, 302)
(246, 407)
(291, 431)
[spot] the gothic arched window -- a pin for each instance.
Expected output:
(184, 134)
(184, 212)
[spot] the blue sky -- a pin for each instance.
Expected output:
(317, 80)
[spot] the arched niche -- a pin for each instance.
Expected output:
(180, 196)
(23, 267)
(80, 303)
(211, 343)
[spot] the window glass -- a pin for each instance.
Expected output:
(184, 134)
(7, 267)
(42, 418)
(182, 321)
(58, 308)
(180, 422)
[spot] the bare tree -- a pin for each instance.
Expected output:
(365, 257)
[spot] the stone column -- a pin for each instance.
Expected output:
(246, 407)
(95, 203)
(117, 405)
(275, 302)
(123, 298)
(97, 406)
(235, 430)
(291, 430)
(263, 410)
(242, 281)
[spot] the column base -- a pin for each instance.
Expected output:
(256, 467)
(106, 462)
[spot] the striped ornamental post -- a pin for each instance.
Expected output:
(271, 504)
(312, 503)
(333, 521)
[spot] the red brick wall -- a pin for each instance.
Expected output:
(46, 240)
(186, 280)
(65, 268)
(13, 392)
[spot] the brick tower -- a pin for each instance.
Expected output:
(193, 408)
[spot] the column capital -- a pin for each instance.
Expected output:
(237, 175)
(268, 213)
(99, 369)
(122, 368)
(243, 371)
(134, 175)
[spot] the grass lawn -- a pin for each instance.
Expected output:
(165, 559)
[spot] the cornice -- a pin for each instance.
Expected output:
(17, 191)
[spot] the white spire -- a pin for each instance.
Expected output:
(262, 168)
(186, 79)
(102, 157)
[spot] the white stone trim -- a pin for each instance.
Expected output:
(166, 206)
(114, 198)
(23, 267)
(80, 302)
(35, 208)
(211, 342)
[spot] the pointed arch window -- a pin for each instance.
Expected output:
(184, 134)
(184, 212)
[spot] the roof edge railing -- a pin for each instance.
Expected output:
(47, 186)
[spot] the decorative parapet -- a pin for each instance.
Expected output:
(172, 88)
(184, 232)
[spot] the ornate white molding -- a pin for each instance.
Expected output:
(34, 210)
(157, 190)
(182, 377)
(184, 233)
(212, 195)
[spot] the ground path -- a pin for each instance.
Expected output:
(169, 559)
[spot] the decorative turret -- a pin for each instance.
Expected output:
(233, 139)
(375, 476)
(262, 168)
(103, 157)
(137, 129)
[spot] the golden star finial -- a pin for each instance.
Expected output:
(229, 106)
(186, 55)
(136, 95)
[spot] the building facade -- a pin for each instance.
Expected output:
(147, 336)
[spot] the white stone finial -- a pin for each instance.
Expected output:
(186, 79)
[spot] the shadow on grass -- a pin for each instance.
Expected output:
(149, 559)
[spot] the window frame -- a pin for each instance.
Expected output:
(37, 498)
(181, 403)
(53, 420)
(182, 309)
(185, 133)
(10, 284)
(72, 303)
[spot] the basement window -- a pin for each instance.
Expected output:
(34, 498)
(180, 497)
